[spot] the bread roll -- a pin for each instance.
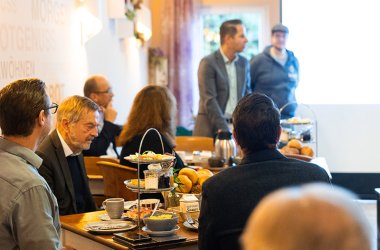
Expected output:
(306, 150)
(289, 150)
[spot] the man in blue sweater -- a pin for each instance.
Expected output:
(274, 72)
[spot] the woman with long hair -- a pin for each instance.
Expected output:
(153, 107)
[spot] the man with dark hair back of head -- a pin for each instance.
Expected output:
(29, 211)
(98, 89)
(229, 197)
(63, 164)
(223, 79)
(313, 217)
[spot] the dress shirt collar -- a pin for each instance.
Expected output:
(66, 149)
(225, 58)
(20, 151)
(262, 155)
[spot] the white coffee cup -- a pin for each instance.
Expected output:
(114, 207)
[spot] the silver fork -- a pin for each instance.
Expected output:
(189, 219)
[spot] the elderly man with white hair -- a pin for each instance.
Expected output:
(313, 217)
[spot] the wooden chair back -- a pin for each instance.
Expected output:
(90, 163)
(114, 176)
(194, 143)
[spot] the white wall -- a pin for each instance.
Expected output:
(42, 38)
(123, 61)
(348, 137)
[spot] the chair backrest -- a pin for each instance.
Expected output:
(92, 168)
(194, 143)
(114, 176)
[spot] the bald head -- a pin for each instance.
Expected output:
(313, 217)
(98, 89)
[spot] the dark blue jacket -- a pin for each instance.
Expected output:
(276, 81)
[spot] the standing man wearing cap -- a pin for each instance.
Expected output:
(223, 79)
(274, 72)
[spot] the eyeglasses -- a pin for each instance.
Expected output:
(53, 107)
(108, 91)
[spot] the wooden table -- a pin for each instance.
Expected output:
(73, 234)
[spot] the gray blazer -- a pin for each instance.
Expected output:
(214, 92)
(56, 172)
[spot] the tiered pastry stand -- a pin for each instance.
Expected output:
(298, 128)
(139, 190)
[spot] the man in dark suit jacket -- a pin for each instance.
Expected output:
(98, 89)
(223, 79)
(229, 197)
(63, 165)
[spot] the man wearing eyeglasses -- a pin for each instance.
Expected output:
(29, 217)
(63, 164)
(98, 89)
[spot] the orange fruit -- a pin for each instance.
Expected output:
(185, 184)
(189, 172)
(204, 171)
(202, 179)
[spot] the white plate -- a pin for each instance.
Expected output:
(107, 227)
(160, 233)
(105, 217)
(133, 159)
(143, 190)
(130, 185)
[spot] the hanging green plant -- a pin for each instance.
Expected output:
(131, 7)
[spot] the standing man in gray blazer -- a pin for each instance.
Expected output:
(223, 79)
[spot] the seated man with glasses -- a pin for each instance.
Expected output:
(98, 89)
(63, 165)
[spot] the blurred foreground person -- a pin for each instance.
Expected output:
(63, 164)
(29, 217)
(313, 217)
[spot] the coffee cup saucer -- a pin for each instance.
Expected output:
(105, 217)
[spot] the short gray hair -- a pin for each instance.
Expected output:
(314, 216)
(72, 108)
